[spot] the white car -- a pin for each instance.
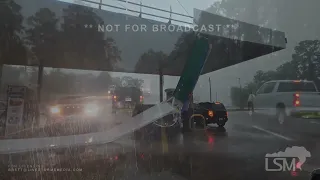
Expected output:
(283, 98)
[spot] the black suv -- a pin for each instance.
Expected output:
(209, 113)
(126, 98)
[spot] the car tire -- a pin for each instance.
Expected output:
(281, 115)
(251, 109)
(199, 122)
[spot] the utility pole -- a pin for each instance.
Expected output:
(100, 4)
(39, 87)
(240, 96)
(161, 80)
(210, 89)
(216, 96)
(40, 77)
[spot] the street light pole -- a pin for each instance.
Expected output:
(100, 4)
(240, 95)
(161, 80)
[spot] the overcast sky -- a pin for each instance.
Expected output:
(223, 79)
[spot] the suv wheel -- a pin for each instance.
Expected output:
(281, 115)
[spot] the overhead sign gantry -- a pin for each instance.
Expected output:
(75, 42)
(82, 39)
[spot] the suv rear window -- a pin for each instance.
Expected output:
(127, 91)
(266, 88)
(297, 86)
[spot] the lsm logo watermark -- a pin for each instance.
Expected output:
(290, 160)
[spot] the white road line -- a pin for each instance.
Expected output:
(273, 133)
(314, 122)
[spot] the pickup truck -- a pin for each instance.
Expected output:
(88, 107)
(283, 98)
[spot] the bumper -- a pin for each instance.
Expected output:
(123, 105)
(216, 120)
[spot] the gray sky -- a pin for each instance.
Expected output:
(223, 79)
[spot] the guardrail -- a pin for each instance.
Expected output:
(143, 13)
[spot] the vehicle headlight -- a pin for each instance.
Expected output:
(54, 110)
(91, 109)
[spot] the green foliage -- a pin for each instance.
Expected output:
(148, 58)
(129, 81)
(305, 64)
(11, 45)
(58, 82)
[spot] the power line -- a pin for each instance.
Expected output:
(183, 7)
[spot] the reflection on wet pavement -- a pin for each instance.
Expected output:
(63, 129)
(137, 165)
(234, 152)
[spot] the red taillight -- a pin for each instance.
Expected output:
(114, 158)
(210, 113)
(141, 98)
(296, 99)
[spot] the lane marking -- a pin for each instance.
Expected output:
(314, 122)
(273, 133)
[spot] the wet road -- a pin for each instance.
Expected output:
(234, 153)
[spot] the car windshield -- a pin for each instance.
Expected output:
(170, 89)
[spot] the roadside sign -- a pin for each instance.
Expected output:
(16, 91)
(15, 111)
(15, 108)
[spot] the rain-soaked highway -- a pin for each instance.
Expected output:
(236, 152)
